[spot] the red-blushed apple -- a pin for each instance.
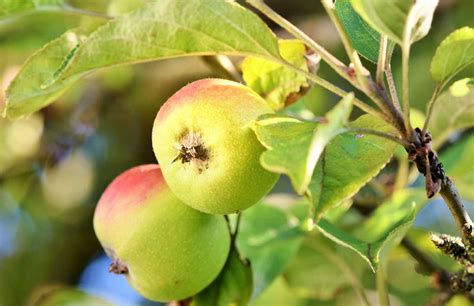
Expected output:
(204, 144)
(167, 250)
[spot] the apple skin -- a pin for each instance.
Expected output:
(167, 250)
(224, 175)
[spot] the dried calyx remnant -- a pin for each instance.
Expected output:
(118, 267)
(191, 149)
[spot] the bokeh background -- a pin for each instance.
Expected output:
(55, 164)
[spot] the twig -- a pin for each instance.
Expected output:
(406, 88)
(361, 72)
(452, 198)
(391, 85)
(379, 93)
(430, 106)
(381, 62)
(374, 91)
(453, 247)
(330, 59)
(425, 262)
(227, 220)
(68, 9)
(80, 12)
(334, 89)
(223, 65)
(382, 286)
(390, 114)
(391, 137)
(237, 226)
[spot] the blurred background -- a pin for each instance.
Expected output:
(55, 164)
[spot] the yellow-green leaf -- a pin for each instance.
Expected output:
(273, 81)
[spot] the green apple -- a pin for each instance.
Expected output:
(204, 144)
(167, 250)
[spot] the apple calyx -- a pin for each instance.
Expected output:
(191, 149)
(118, 267)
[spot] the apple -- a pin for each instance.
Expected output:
(167, 250)
(207, 151)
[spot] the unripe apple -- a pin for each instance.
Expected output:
(167, 250)
(204, 144)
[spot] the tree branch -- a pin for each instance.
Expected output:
(454, 202)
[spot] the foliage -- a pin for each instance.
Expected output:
(339, 225)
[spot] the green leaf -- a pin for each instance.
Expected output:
(362, 36)
(268, 237)
(233, 286)
(348, 163)
(382, 231)
(11, 7)
(459, 166)
(451, 113)
(313, 273)
(294, 147)
(273, 81)
(24, 95)
(453, 54)
(161, 29)
(279, 294)
(69, 297)
(403, 21)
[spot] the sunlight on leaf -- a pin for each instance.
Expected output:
(453, 54)
(460, 88)
(451, 113)
(162, 29)
(403, 21)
